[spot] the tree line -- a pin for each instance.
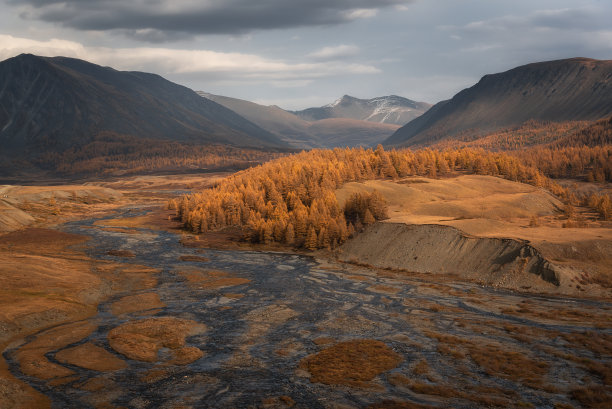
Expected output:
(571, 149)
(292, 200)
(110, 152)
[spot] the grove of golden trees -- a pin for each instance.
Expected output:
(530, 133)
(573, 149)
(292, 200)
(593, 163)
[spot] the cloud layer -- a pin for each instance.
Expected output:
(157, 20)
(286, 51)
(246, 67)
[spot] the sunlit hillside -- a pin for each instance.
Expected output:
(291, 200)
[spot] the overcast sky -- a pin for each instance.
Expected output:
(302, 53)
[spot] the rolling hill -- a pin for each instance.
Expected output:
(387, 110)
(55, 104)
(577, 89)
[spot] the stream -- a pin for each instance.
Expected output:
(253, 345)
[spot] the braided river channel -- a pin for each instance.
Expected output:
(253, 321)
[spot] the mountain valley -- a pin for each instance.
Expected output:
(165, 248)
(347, 122)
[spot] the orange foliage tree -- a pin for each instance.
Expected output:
(292, 200)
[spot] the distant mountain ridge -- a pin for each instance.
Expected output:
(564, 90)
(298, 132)
(57, 103)
(285, 125)
(390, 109)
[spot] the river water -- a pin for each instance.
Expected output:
(253, 345)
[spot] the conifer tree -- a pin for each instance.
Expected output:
(311, 240)
(368, 218)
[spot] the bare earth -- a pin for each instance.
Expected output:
(484, 207)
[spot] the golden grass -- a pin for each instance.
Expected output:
(421, 368)
(134, 303)
(278, 402)
(121, 253)
(90, 356)
(351, 363)
(484, 396)
(120, 230)
(138, 222)
(465, 197)
(593, 396)
(185, 355)
(598, 343)
(96, 384)
(141, 340)
(194, 258)
(233, 296)
(580, 315)
(386, 289)
(39, 239)
(359, 278)
(155, 375)
(31, 357)
(323, 340)
(496, 360)
(486, 206)
(392, 404)
(212, 279)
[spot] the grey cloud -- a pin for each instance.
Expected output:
(563, 19)
(567, 19)
(157, 17)
(338, 52)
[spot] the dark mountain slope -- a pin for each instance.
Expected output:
(563, 90)
(285, 125)
(52, 104)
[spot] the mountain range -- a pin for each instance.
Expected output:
(53, 105)
(58, 103)
(387, 110)
(577, 89)
(329, 131)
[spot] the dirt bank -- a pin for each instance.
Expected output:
(507, 263)
(23, 206)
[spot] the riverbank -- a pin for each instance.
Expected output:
(120, 308)
(47, 277)
(271, 329)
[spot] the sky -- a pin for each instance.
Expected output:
(304, 53)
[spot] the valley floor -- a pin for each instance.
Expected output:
(103, 306)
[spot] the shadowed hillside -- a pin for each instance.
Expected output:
(52, 104)
(285, 125)
(576, 89)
